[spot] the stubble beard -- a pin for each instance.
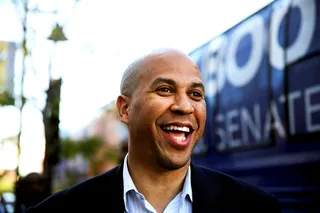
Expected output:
(171, 164)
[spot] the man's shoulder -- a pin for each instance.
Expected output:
(229, 183)
(234, 190)
(83, 194)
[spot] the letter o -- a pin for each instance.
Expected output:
(240, 76)
(212, 64)
(301, 44)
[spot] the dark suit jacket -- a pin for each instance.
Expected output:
(212, 192)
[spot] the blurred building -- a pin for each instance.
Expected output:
(112, 131)
(108, 126)
(7, 55)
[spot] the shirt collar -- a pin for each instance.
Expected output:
(128, 184)
(187, 190)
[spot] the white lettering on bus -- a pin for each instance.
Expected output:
(219, 59)
(301, 44)
(311, 108)
(234, 126)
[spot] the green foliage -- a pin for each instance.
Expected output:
(6, 99)
(87, 147)
(6, 181)
(70, 179)
(25, 48)
(94, 150)
(111, 155)
(3, 173)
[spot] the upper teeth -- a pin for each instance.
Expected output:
(171, 127)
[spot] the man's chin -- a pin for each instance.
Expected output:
(174, 164)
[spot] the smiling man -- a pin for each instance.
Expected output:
(162, 103)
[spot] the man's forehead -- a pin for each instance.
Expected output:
(159, 62)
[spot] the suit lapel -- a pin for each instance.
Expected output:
(117, 197)
(110, 193)
(205, 190)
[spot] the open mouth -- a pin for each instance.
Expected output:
(179, 133)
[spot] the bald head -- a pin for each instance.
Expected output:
(131, 75)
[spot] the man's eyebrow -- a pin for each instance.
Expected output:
(163, 80)
(197, 85)
(173, 83)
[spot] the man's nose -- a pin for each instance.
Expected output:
(182, 104)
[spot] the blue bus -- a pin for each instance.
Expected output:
(262, 80)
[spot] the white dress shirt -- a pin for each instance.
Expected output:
(134, 201)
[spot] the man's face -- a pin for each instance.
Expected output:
(167, 111)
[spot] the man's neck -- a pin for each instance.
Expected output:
(158, 187)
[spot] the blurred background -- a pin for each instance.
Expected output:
(60, 67)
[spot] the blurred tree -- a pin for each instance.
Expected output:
(86, 147)
(51, 122)
(93, 149)
(96, 155)
(104, 159)
(50, 112)
(6, 98)
(3, 173)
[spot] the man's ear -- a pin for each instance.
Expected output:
(123, 108)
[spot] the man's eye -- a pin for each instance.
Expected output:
(197, 94)
(164, 89)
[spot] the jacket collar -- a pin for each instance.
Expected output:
(117, 198)
(206, 190)
(128, 184)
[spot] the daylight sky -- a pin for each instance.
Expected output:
(105, 36)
